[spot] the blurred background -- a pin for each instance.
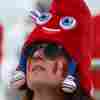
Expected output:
(16, 25)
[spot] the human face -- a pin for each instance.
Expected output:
(44, 71)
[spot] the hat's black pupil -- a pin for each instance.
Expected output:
(66, 21)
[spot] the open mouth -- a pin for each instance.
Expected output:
(50, 29)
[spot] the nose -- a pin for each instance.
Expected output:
(54, 23)
(39, 54)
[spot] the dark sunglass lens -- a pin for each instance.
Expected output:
(36, 47)
(51, 51)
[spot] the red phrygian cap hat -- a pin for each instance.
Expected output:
(77, 41)
(96, 20)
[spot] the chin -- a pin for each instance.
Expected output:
(43, 84)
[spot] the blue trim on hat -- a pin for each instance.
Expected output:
(23, 59)
(22, 63)
(72, 68)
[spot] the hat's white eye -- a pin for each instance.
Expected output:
(44, 18)
(67, 22)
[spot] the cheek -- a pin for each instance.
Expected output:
(65, 69)
(63, 66)
(54, 69)
(51, 66)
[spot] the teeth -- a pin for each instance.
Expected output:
(50, 29)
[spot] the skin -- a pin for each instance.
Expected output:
(44, 77)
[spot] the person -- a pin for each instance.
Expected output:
(63, 27)
(46, 68)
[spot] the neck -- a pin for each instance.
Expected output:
(47, 94)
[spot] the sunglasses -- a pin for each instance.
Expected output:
(50, 50)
